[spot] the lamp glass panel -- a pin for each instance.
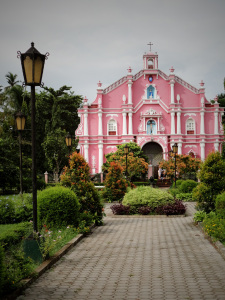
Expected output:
(175, 148)
(68, 141)
(20, 123)
(126, 149)
(38, 66)
(28, 66)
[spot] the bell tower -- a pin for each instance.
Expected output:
(150, 60)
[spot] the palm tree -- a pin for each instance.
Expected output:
(11, 79)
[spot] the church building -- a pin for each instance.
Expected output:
(152, 109)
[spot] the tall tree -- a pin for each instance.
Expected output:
(11, 79)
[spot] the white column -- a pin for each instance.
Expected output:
(172, 123)
(202, 128)
(86, 146)
(172, 91)
(100, 123)
(100, 157)
(216, 146)
(178, 123)
(85, 123)
(202, 145)
(130, 124)
(179, 148)
(130, 92)
(124, 123)
(216, 122)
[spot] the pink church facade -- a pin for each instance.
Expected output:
(153, 109)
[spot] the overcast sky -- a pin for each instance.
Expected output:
(92, 40)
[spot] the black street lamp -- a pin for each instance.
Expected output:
(126, 150)
(69, 141)
(20, 124)
(175, 150)
(32, 62)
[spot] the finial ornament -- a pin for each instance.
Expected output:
(150, 44)
(202, 83)
(172, 69)
(129, 70)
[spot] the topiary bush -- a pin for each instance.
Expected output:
(77, 177)
(58, 206)
(187, 186)
(220, 205)
(203, 196)
(147, 196)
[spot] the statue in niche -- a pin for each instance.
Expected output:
(151, 127)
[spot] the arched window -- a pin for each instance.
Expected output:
(190, 126)
(151, 127)
(150, 92)
(112, 127)
(150, 64)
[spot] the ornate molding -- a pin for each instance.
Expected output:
(190, 114)
(79, 130)
(111, 115)
(190, 146)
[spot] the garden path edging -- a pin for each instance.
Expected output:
(218, 245)
(46, 265)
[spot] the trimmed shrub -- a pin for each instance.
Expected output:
(120, 209)
(147, 196)
(187, 186)
(144, 210)
(58, 206)
(177, 208)
(178, 183)
(220, 205)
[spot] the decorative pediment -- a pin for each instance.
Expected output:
(151, 112)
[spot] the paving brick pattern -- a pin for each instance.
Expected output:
(137, 259)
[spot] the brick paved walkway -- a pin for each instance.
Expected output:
(137, 259)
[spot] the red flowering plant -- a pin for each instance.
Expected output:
(136, 160)
(184, 164)
(77, 176)
(115, 183)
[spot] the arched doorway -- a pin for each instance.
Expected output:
(154, 152)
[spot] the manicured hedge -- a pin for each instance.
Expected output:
(220, 205)
(147, 196)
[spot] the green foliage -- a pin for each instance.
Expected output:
(199, 216)
(187, 186)
(77, 177)
(147, 196)
(184, 196)
(11, 234)
(115, 184)
(220, 205)
(214, 226)
(178, 183)
(2, 269)
(212, 177)
(136, 161)
(58, 206)
(7, 211)
(203, 196)
(15, 208)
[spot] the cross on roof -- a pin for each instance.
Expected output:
(150, 44)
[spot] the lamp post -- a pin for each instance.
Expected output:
(20, 124)
(175, 150)
(68, 141)
(126, 150)
(32, 62)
